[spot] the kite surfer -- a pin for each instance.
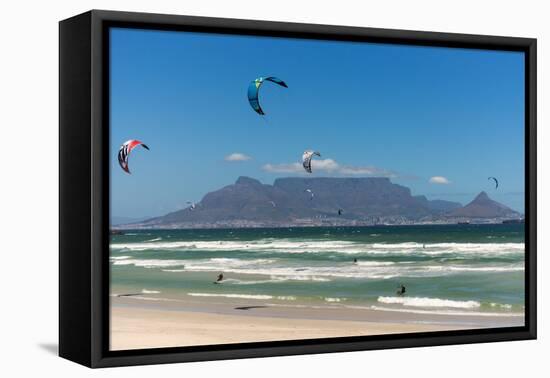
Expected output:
(401, 290)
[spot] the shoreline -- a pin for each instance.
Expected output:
(239, 226)
(153, 323)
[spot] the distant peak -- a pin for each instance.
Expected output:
(243, 180)
(482, 196)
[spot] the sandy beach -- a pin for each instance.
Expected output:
(137, 324)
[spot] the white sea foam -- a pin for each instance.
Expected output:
(286, 298)
(275, 279)
(460, 248)
(305, 278)
(150, 263)
(501, 305)
(242, 296)
(114, 258)
(336, 246)
(174, 270)
(145, 291)
(227, 265)
(234, 281)
(459, 268)
(445, 312)
(278, 271)
(375, 263)
(328, 299)
(281, 270)
(283, 245)
(428, 302)
(153, 299)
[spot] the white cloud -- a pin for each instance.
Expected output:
(325, 165)
(284, 168)
(440, 180)
(328, 166)
(368, 171)
(237, 156)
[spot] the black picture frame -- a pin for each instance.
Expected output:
(84, 188)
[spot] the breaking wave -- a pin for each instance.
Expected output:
(243, 296)
(320, 246)
(280, 270)
(429, 302)
(145, 291)
(446, 312)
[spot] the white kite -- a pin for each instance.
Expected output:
(306, 159)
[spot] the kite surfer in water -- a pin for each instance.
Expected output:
(401, 290)
(219, 279)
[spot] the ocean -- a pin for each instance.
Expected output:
(454, 269)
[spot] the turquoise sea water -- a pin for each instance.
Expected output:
(459, 269)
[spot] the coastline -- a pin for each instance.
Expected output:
(309, 223)
(151, 323)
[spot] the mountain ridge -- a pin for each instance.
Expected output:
(296, 201)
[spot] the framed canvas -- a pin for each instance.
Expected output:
(236, 188)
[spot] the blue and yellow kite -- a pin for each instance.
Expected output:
(254, 88)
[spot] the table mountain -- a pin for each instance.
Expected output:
(362, 201)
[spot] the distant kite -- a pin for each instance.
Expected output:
(254, 90)
(272, 203)
(124, 153)
(310, 192)
(193, 205)
(340, 211)
(495, 180)
(306, 159)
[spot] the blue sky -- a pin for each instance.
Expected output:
(410, 113)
